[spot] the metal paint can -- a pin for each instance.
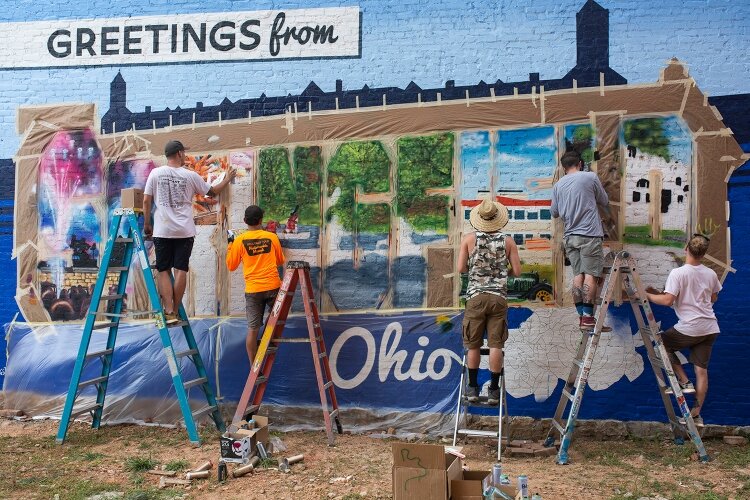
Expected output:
(497, 472)
(222, 469)
(262, 451)
(523, 486)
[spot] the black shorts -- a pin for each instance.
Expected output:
(256, 303)
(173, 253)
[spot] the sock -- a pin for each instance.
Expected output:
(495, 380)
(473, 372)
(588, 309)
(579, 308)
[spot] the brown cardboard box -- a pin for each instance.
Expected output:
(131, 198)
(423, 471)
(474, 483)
(258, 433)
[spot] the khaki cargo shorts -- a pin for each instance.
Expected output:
(700, 347)
(585, 254)
(485, 312)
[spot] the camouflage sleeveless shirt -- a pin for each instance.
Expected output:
(488, 266)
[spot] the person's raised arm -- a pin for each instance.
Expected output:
(463, 255)
(601, 195)
(515, 260)
(148, 229)
(218, 188)
(234, 254)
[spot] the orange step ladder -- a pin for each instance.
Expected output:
(297, 273)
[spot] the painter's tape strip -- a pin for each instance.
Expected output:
(720, 263)
(169, 353)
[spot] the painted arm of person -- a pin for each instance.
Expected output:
(463, 254)
(148, 229)
(234, 255)
(215, 190)
(515, 260)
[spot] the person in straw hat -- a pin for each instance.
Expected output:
(485, 254)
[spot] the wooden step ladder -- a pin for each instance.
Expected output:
(297, 272)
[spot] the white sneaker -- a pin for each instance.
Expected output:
(686, 388)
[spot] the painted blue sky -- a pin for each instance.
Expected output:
(475, 164)
(522, 156)
(403, 41)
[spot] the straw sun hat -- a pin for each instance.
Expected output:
(489, 216)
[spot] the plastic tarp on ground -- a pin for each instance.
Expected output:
(400, 371)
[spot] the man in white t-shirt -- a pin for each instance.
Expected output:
(691, 290)
(172, 187)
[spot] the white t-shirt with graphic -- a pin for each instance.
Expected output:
(693, 287)
(173, 189)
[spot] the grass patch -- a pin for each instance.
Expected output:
(177, 465)
(734, 457)
(90, 456)
(140, 464)
(268, 463)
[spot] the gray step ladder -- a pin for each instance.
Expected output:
(461, 428)
(621, 275)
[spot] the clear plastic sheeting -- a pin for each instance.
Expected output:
(397, 371)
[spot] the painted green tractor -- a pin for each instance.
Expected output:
(529, 286)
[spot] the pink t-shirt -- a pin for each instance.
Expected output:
(693, 287)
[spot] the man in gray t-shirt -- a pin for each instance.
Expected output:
(574, 199)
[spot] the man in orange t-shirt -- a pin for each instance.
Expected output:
(260, 254)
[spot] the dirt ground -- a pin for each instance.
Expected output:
(109, 463)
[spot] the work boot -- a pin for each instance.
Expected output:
(493, 396)
(472, 394)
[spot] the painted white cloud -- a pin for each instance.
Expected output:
(474, 140)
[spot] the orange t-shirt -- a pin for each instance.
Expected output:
(261, 255)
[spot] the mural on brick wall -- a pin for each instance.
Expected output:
(373, 187)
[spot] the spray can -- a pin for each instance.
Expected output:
(262, 451)
(523, 486)
(497, 472)
(207, 465)
(198, 475)
(222, 470)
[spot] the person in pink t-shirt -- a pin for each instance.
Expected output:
(691, 290)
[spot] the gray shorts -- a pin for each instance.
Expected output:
(256, 303)
(585, 254)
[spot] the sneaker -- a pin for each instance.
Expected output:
(589, 323)
(686, 388)
(697, 420)
(493, 396)
(472, 394)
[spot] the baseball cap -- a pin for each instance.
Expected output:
(173, 147)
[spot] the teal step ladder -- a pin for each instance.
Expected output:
(623, 276)
(133, 243)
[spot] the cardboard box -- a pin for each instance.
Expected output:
(474, 483)
(131, 198)
(239, 446)
(423, 471)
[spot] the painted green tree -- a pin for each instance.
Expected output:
(580, 138)
(279, 193)
(363, 167)
(425, 163)
(647, 134)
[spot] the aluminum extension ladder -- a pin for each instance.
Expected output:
(133, 243)
(297, 272)
(463, 405)
(622, 269)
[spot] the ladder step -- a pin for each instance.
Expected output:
(205, 409)
(98, 354)
(477, 433)
(189, 352)
(117, 269)
(85, 410)
(105, 324)
(172, 323)
(578, 363)
(116, 296)
(559, 427)
(91, 382)
(290, 339)
(194, 382)
(334, 413)
(272, 349)
(327, 384)
(261, 380)
(568, 394)
(655, 360)
(322, 355)
(252, 409)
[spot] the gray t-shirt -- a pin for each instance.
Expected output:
(574, 199)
